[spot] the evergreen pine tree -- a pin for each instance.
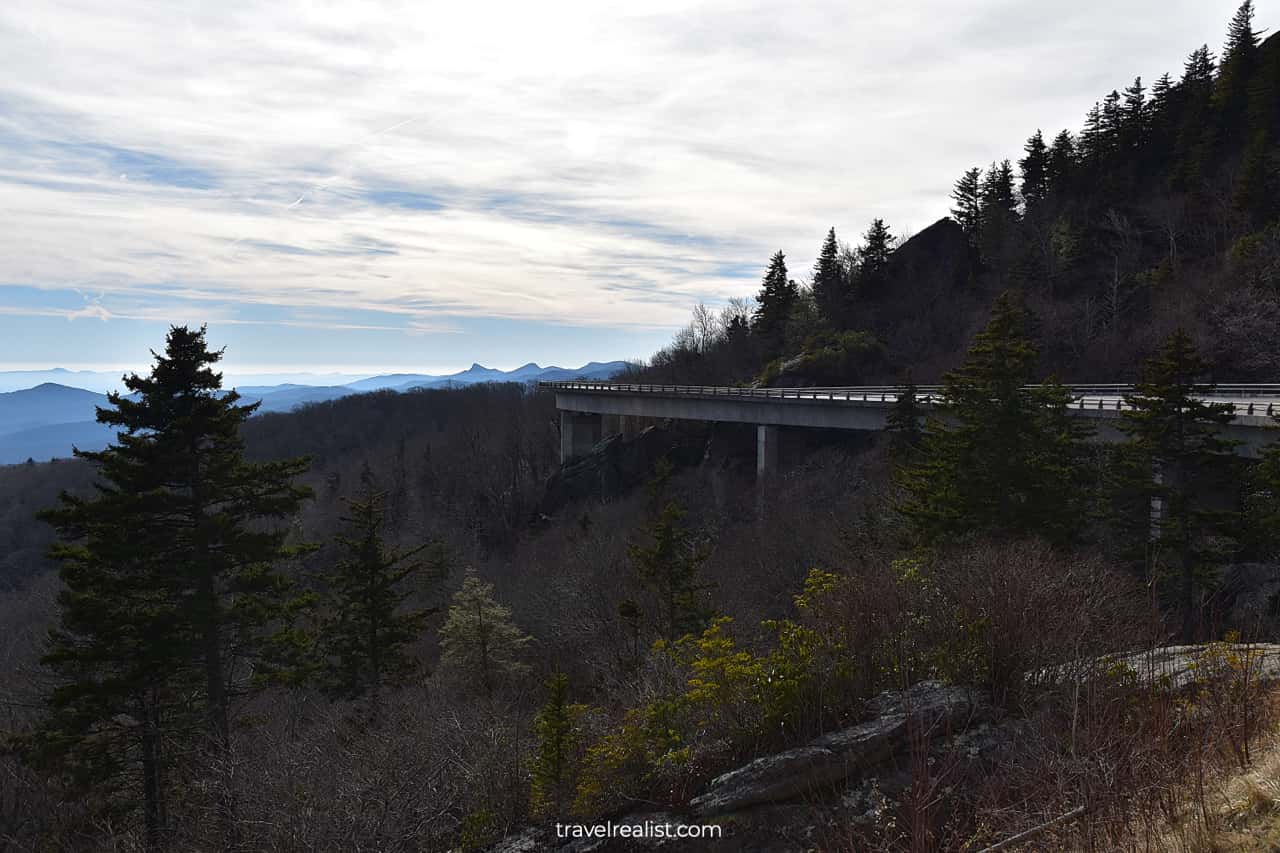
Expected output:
(1198, 70)
(777, 296)
(1264, 95)
(1162, 93)
(968, 198)
(1170, 476)
(829, 282)
(998, 196)
(1061, 162)
(368, 630)
(668, 559)
(1235, 71)
(170, 573)
(1195, 136)
(999, 216)
(1035, 171)
(1004, 458)
(479, 642)
(1262, 504)
(873, 259)
(1161, 125)
(1093, 138)
(121, 665)
(553, 764)
(1112, 124)
(1134, 118)
(904, 419)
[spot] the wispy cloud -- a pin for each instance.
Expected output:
(566, 163)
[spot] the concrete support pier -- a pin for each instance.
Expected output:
(766, 452)
(579, 432)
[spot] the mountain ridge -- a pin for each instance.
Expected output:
(46, 420)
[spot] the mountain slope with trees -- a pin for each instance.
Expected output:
(352, 626)
(1160, 212)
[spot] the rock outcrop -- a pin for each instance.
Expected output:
(1178, 666)
(803, 798)
(927, 711)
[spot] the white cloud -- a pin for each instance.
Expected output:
(591, 163)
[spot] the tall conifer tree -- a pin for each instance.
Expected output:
(368, 628)
(1004, 458)
(1134, 118)
(1112, 123)
(873, 259)
(1035, 171)
(667, 559)
(777, 296)
(1092, 145)
(903, 422)
(170, 571)
(1061, 164)
(1171, 476)
(829, 283)
(999, 215)
(1235, 71)
(968, 203)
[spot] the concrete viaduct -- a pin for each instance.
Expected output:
(591, 410)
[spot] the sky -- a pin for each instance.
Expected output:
(358, 186)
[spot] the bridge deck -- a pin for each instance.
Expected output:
(867, 407)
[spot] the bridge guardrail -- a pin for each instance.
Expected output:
(1099, 396)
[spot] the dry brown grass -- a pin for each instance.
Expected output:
(1240, 813)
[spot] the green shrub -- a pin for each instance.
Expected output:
(733, 703)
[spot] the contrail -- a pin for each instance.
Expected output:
(319, 185)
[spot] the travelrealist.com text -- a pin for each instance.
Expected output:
(646, 829)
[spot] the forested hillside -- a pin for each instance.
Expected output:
(389, 622)
(1159, 212)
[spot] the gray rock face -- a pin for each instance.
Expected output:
(1180, 665)
(926, 711)
(773, 778)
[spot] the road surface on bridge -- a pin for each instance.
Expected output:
(584, 403)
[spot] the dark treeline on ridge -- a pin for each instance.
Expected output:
(1160, 212)
(394, 621)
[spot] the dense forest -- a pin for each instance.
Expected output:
(1159, 213)
(393, 622)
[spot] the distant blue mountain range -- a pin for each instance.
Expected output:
(47, 419)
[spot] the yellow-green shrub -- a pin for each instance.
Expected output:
(733, 700)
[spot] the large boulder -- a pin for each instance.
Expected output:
(926, 711)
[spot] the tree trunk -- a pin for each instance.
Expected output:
(217, 714)
(152, 798)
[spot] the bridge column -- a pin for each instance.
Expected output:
(623, 425)
(579, 432)
(766, 452)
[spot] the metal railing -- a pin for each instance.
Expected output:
(1247, 399)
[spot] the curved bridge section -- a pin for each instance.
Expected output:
(591, 410)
